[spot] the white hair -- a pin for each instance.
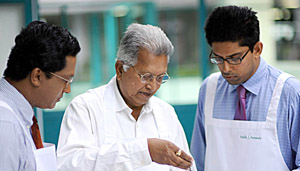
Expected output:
(137, 37)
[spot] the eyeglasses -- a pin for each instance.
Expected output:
(233, 61)
(148, 77)
(67, 81)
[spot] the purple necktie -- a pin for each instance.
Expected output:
(240, 112)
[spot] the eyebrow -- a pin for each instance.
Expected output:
(230, 56)
(155, 74)
(69, 76)
(147, 72)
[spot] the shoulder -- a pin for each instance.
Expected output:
(166, 110)
(90, 96)
(86, 105)
(221, 82)
(213, 76)
(157, 102)
(9, 125)
(292, 85)
(6, 115)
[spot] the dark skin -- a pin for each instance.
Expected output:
(135, 93)
(237, 74)
(164, 152)
(44, 92)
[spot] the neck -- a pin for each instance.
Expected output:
(136, 111)
(23, 88)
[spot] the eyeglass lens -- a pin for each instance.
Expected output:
(159, 79)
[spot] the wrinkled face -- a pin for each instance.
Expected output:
(237, 74)
(52, 89)
(134, 92)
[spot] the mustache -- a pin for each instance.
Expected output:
(148, 93)
(228, 74)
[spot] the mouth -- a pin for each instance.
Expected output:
(229, 76)
(145, 94)
(232, 79)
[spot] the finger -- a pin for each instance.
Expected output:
(186, 157)
(180, 162)
(177, 162)
(173, 163)
(178, 153)
(183, 164)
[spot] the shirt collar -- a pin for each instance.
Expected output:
(121, 104)
(254, 83)
(25, 111)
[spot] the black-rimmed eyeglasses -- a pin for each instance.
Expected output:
(220, 60)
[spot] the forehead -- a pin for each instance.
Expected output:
(227, 48)
(151, 63)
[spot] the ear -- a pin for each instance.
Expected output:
(257, 49)
(119, 69)
(36, 76)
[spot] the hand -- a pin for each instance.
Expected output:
(164, 152)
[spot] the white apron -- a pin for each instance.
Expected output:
(233, 145)
(45, 158)
(110, 130)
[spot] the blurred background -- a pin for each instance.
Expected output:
(100, 24)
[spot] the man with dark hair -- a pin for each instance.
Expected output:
(40, 69)
(248, 114)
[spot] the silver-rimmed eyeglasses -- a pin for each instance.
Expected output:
(67, 81)
(148, 77)
(231, 60)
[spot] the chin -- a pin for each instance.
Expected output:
(46, 106)
(234, 82)
(51, 106)
(140, 104)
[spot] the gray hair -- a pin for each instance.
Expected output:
(137, 37)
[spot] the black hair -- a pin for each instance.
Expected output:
(234, 24)
(40, 45)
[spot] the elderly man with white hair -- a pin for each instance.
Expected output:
(121, 125)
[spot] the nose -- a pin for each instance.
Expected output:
(226, 67)
(152, 84)
(67, 88)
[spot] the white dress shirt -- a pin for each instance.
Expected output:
(98, 132)
(15, 148)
